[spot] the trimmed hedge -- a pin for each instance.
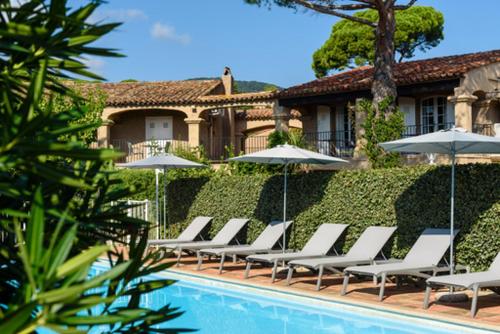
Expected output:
(411, 198)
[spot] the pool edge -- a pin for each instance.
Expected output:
(370, 309)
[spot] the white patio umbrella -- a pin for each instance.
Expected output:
(285, 155)
(451, 142)
(162, 161)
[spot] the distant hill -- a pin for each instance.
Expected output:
(244, 86)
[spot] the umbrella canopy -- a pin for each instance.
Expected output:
(288, 154)
(285, 155)
(452, 141)
(162, 161)
(445, 142)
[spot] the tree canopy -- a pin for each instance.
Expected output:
(384, 27)
(351, 43)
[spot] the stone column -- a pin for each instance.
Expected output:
(232, 126)
(359, 117)
(463, 108)
(104, 134)
(194, 127)
(281, 117)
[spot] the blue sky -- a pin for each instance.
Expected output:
(175, 40)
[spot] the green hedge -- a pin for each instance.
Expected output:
(411, 198)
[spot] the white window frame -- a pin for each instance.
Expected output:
(428, 127)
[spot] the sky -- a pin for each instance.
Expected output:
(179, 39)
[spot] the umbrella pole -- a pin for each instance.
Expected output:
(165, 202)
(157, 206)
(452, 213)
(284, 209)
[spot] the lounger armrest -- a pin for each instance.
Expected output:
(387, 261)
(278, 251)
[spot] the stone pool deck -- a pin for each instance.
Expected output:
(406, 299)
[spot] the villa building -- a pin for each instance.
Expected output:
(143, 117)
(433, 94)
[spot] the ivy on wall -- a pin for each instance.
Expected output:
(411, 198)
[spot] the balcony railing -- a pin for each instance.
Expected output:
(333, 143)
(140, 150)
(416, 130)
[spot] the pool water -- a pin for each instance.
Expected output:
(216, 310)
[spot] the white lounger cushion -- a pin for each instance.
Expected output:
(188, 235)
(319, 244)
(221, 239)
(364, 250)
(264, 242)
(425, 254)
(482, 279)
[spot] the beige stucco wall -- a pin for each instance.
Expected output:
(481, 79)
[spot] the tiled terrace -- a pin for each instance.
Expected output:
(406, 299)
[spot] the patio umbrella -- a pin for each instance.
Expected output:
(451, 142)
(285, 155)
(162, 161)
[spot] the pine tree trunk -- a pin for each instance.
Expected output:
(383, 80)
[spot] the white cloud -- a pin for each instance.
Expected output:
(167, 32)
(120, 15)
(95, 65)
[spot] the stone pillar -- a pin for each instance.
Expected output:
(281, 117)
(104, 134)
(194, 127)
(463, 108)
(359, 117)
(232, 126)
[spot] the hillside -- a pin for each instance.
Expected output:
(245, 86)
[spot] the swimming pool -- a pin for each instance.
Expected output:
(216, 307)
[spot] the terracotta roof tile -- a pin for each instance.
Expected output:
(262, 114)
(242, 97)
(155, 93)
(407, 73)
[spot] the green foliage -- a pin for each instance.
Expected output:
(352, 43)
(90, 102)
(411, 198)
(275, 138)
(293, 137)
(56, 203)
(378, 128)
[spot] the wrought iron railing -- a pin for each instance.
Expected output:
(139, 150)
(222, 147)
(416, 130)
(333, 143)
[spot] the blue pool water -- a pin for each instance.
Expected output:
(216, 310)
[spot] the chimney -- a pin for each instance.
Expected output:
(227, 81)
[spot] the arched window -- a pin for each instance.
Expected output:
(434, 114)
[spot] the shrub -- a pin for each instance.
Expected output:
(380, 128)
(411, 198)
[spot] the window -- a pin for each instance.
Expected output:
(434, 114)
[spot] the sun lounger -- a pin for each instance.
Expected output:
(472, 281)
(424, 257)
(263, 244)
(192, 231)
(364, 251)
(319, 244)
(222, 239)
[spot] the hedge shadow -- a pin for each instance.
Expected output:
(303, 191)
(426, 203)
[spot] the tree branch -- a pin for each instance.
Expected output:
(403, 7)
(333, 10)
